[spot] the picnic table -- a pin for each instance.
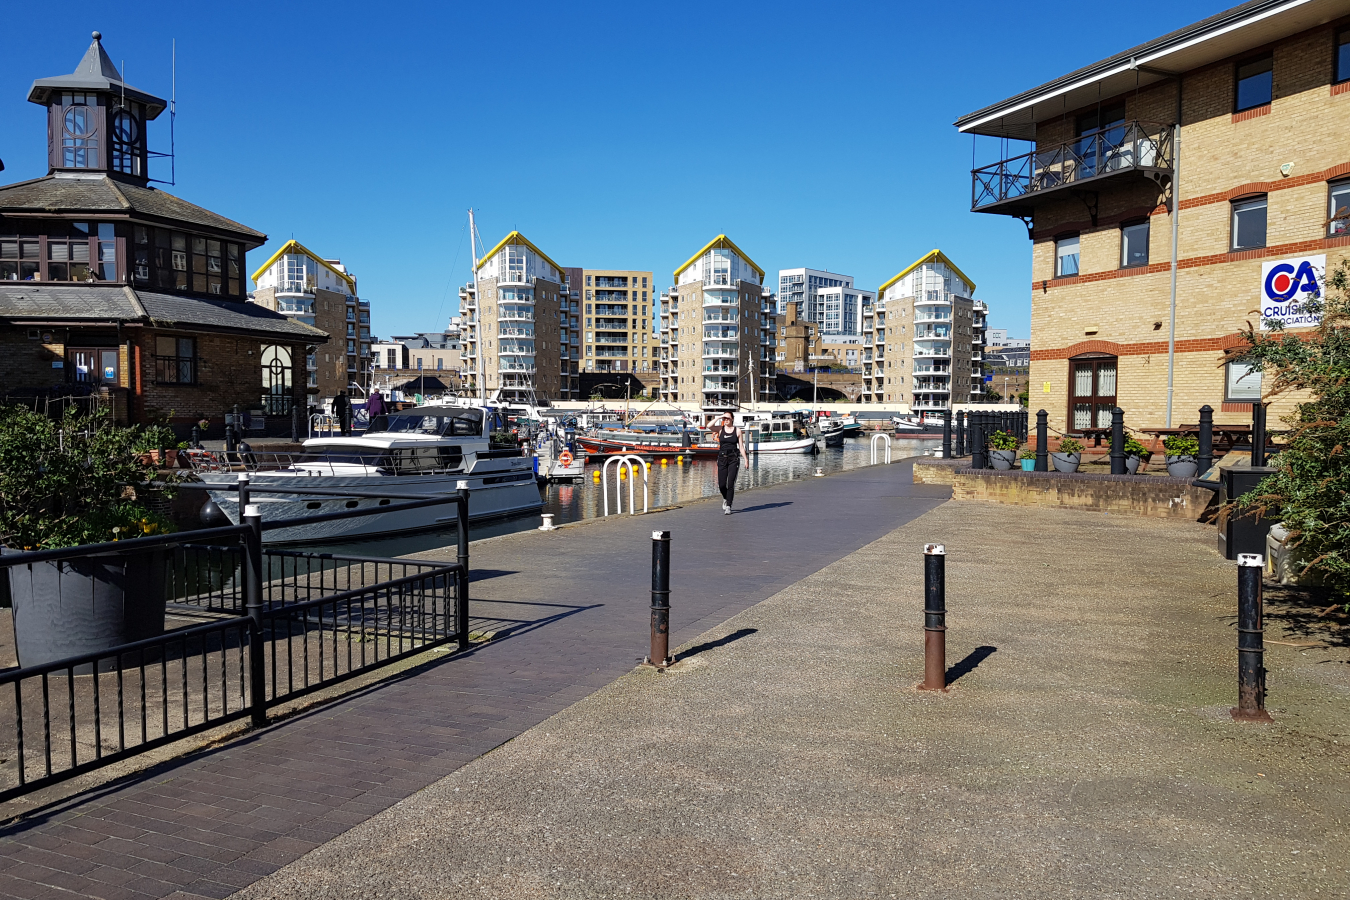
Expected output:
(1226, 437)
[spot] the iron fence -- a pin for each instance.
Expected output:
(289, 623)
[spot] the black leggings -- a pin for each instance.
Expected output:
(726, 477)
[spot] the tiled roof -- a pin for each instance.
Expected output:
(103, 193)
(76, 303)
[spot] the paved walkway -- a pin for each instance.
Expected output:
(578, 597)
(1084, 751)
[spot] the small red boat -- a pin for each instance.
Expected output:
(644, 446)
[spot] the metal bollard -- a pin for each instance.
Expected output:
(934, 618)
(947, 434)
(1117, 441)
(977, 439)
(243, 491)
(1042, 441)
(1258, 434)
(660, 652)
(251, 516)
(1205, 458)
(196, 438)
(961, 434)
(462, 557)
(1251, 647)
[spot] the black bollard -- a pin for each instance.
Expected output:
(1258, 434)
(253, 603)
(1042, 441)
(977, 439)
(1251, 643)
(660, 653)
(1117, 441)
(1205, 458)
(947, 434)
(196, 438)
(934, 618)
(961, 434)
(462, 557)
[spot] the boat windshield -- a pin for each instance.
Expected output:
(450, 422)
(344, 454)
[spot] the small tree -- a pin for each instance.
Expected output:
(1310, 492)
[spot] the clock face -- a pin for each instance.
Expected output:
(125, 128)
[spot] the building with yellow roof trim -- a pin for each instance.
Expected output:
(923, 338)
(715, 331)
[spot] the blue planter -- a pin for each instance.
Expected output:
(1028, 465)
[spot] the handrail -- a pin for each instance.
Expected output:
(883, 437)
(627, 459)
(122, 547)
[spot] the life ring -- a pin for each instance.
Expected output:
(565, 458)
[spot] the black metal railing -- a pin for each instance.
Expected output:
(1135, 146)
(290, 623)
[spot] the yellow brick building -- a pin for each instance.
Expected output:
(1245, 117)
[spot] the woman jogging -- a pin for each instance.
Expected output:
(730, 452)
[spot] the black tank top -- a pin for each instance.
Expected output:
(727, 443)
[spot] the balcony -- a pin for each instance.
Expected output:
(932, 387)
(721, 333)
(929, 404)
(932, 354)
(1014, 187)
(509, 365)
(719, 368)
(722, 402)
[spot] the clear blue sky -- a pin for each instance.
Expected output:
(620, 135)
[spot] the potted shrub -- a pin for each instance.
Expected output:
(66, 483)
(1028, 460)
(1068, 457)
(1135, 453)
(1002, 450)
(1181, 450)
(159, 445)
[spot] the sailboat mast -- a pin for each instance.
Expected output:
(477, 307)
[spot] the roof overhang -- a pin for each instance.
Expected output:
(1219, 37)
(930, 256)
(518, 239)
(721, 241)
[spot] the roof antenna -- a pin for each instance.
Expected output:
(173, 110)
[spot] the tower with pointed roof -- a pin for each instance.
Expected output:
(109, 284)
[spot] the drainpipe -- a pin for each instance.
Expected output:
(1176, 213)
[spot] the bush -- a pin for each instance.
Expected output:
(1310, 490)
(1027, 454)
(79, 480)
(1002, 440)
(1070, 446)
(1181, 445)
(1134, 448)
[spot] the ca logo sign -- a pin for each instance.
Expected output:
(1284, 281)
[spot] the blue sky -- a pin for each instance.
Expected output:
(611, 134)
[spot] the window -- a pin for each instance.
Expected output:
(1066, 257)
(1343, 55)
(93, 365)
(126, 146)
(175, 360)
(79, 131)
(1093, 380)
(276, 380)
(1134, 245)
(1339, 212)
(1241, 384)
(68, 255)
(19, 259)
(1254, 82)
(1249, 223)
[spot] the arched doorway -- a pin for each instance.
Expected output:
(1092, 390)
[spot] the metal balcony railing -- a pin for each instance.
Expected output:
(1015, 183)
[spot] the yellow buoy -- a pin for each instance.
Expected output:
(663, 462)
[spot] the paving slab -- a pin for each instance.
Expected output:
(1084, 749)
(573, 607)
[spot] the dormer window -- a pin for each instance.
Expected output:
(79, 138)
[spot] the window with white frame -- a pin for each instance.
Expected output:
(1066, 256)
(1249, 223)
(1338, 218)
(1242, 383)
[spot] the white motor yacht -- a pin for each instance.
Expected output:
(423, 451)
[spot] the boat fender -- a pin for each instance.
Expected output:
(212, 516)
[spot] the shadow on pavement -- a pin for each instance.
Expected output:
(765, 506)
(713, 645)
(968, 665)
(485, 574)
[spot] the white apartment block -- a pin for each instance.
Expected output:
(923, 338)
(825, 299)
(511, 333)
(716, 331)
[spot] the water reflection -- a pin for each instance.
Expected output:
(668, 485)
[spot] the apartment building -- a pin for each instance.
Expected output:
(923, 338)
(828, 300)
(298, 283)
(1170, 193)
(716, 331)
(512, 324)
(619, 307)
(801, 346)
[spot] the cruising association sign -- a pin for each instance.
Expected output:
(1286, 285)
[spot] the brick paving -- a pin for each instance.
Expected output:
(220, 820)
